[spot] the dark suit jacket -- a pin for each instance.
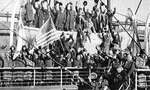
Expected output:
(69, 20)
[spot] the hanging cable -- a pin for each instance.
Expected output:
(138, 7)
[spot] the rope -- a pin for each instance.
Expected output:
(138, 7)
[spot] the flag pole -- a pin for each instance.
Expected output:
(138, 7)
(13, 23)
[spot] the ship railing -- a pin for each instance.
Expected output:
(48, 76)
(142, 79)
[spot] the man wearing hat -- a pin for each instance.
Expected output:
(70, 15)
(36, 6)
(114, 51)
(93, 80)
(104, 84)
(43, 13)
(60, 17)
(141, 60)
(29, 13)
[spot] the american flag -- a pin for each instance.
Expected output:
(36, 36)
(47, 34)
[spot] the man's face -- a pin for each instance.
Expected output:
(115, 51)
(97, 11)
(69, 6)
(57, 6)
(100, 79)
(61, 7)
(43, 51)
(45, 5)
(80, 11)
(36, 4)
(24, 48)
(103, 9)
(30, 0)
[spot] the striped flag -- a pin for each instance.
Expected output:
(47, 34)
(135, 49)
(135, 46)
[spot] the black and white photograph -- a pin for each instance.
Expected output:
(74, 44)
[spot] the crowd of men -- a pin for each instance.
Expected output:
(119, 64)
(66, 18)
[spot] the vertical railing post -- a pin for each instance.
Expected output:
(135, 80)
(34, 77)
(61, 80)
(90, 73)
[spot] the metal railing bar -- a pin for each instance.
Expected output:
(143, 70)
(45, 68)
